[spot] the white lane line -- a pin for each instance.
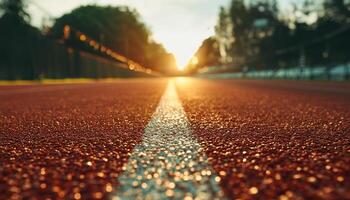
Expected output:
(169, 163)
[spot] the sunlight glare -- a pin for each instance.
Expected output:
(194, 60)
(183, 46)
(182, 57)
(182, 80)
(182, 60)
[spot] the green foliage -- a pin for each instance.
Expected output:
(259, 36)
(18, 42)
(26, 54)
(120, 29)
(255, 29)
(15, 8)
(338, 10)
(207, 55)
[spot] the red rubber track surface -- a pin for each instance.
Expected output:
(273, 139)
(71, 141)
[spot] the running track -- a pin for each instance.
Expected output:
(179, 138)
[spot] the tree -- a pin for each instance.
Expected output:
(253, 26)
(120, 29)
(14, 8)
(208, 54)
(265, 38)
(223, 33)
(338, 10)
(18, 41)
(240, 24)
(159, 59)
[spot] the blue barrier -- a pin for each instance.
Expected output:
(337, 72)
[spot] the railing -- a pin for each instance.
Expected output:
(337, 72)
(322, 58)
(44, 58)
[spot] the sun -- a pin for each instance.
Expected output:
(182, 61)
(183, 47)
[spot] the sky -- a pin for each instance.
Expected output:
(180, 25)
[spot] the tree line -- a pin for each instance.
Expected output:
(262, 34)
(119, 28)
(27, 52)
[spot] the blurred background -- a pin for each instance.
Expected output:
(286, 39)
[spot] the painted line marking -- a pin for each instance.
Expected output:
(169, 163)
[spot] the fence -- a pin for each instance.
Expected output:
(41, 57)
(323, 58)
(338, 73)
